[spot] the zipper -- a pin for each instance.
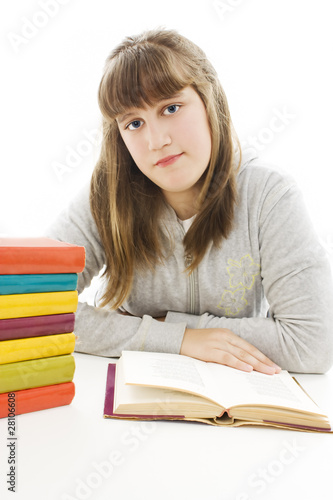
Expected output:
(191, 278)
(192, 281)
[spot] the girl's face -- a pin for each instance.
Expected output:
(170, 142)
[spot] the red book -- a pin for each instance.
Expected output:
(40, 256)
(36, 326)
(38, 398)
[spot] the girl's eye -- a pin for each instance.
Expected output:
(172, 109)
(135, 124)
(169, 110)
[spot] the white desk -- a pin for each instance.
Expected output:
(67, 453)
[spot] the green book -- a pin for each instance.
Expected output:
(36, 373)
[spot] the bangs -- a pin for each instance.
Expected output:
(140, 76)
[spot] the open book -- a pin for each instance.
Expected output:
(146, 385)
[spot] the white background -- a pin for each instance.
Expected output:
(272, 57)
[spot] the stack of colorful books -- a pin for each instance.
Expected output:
(38, 300)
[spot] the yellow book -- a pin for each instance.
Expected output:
(37, 304)
(36, 347)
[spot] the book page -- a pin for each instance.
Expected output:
(172, 371)
(155, 400)
(226, 386)
(254, 388)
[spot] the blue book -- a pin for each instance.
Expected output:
(11, 284)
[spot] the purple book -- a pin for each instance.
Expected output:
(36, 326)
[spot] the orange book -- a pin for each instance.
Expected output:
(40, 256)
(38, 398)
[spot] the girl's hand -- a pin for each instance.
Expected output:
(220, 345)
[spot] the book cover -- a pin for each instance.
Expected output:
(40, 256)
(36, 373)
(36, 347)
(36, 326)
(36, 399)
(37, 283)
(37, 304)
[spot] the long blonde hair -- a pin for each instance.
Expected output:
(125, 204)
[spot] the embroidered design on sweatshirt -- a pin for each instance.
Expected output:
(243, 273)
(232, 302)
(242, 277)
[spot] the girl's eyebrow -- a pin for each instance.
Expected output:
(124, 117)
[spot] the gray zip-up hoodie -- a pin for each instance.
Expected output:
(270, 282)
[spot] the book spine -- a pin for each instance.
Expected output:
(37, 304)
(12, 351)
(36, 399)
(41, 260)
(36, 326)
(37, 283)
(36, 373)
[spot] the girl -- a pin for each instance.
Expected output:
(207, 252)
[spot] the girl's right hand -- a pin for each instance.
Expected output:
(220, 345)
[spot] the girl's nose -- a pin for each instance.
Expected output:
(157, 136)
